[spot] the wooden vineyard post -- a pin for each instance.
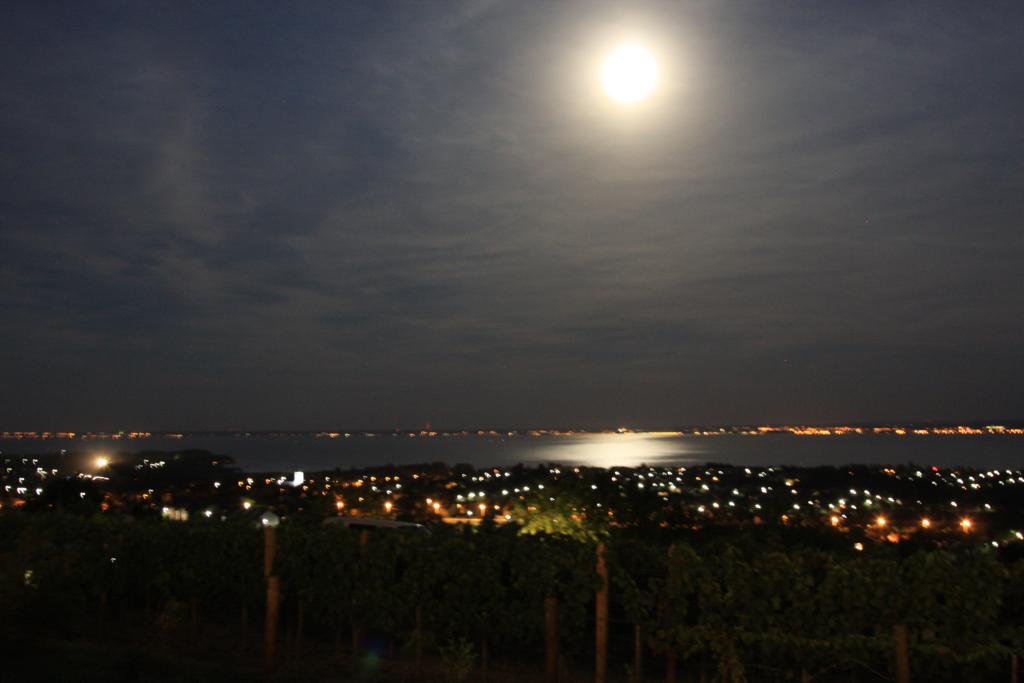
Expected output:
(902, 653)
(273, 598)
(1014, 668)
(419, 643)
(299, 623)
(551, 646)
(193, 611)
(601, 619)
(357, 631)
(638, 654)
(670, 656)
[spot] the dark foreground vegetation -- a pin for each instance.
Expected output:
(122, 598)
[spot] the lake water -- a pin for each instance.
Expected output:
(310, 453)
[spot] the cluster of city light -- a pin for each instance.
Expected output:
(687, 496)
(797, 430)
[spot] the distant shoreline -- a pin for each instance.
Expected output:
(1006, 428)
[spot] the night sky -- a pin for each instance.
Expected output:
(342, 214)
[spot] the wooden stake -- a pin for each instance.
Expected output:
(193, 610)
(357, 644)
(902, 653)
(419, 643)
(357, 631)
(273, 599)
(638, 654)
(601, 619)
(270, 623)
(551, 645)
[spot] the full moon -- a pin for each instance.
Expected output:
(630, 74)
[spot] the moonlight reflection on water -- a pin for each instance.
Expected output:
(307, 452)
(618, 450)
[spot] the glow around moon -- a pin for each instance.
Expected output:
(630, 74)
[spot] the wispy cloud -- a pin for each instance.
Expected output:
(340, 212)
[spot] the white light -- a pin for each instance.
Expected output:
(630, 74)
